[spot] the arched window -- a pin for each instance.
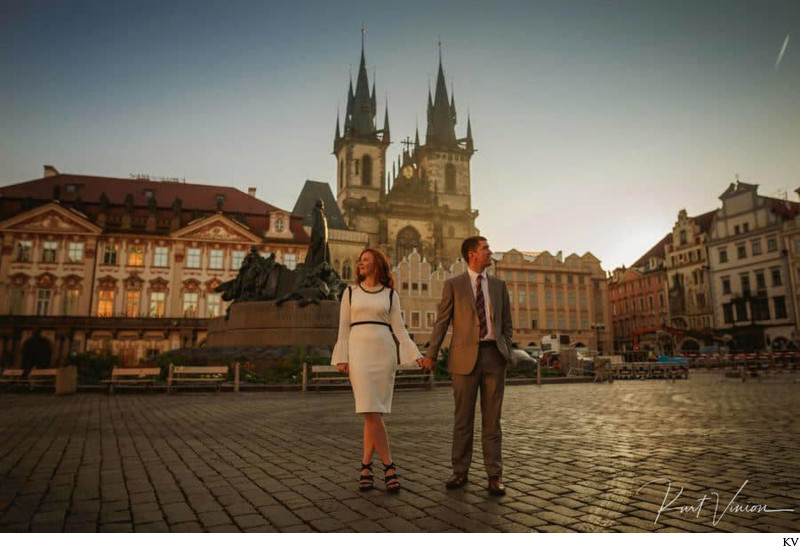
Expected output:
(346, 271)
(450, 178)
(408, 239)
(366, 169)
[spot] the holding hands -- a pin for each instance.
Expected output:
(425, 363)
(343, 368)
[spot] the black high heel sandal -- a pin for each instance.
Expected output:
(367, 481)
(391, 481)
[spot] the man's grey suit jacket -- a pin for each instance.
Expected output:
(458, 307)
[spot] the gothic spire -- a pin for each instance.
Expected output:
(338, 133)
(441, 113)
(470, 143)
(360, 117)
(386, 123)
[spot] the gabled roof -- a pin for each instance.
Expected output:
(312, 191)
(657, 251)
(90, 188)
(704, 220)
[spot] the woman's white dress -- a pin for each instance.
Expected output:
(369, 347)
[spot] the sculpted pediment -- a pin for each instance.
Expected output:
(50, 218)
(216, 228)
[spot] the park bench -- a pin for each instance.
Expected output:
(13, 377)
(46, 375)
(201, 376)
(133, 376)
(328, 376)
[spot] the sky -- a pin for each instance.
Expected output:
(595, 122)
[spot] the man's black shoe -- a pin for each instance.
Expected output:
(456, 480)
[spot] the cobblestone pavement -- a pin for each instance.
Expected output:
(576, 457)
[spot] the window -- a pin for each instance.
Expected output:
(415, 319)
(548, 278)
(71, 298)
(160, 257)
(726, 286)
(213, 305)
(581, 280)
(723, 255)
(780, 307)
(415, 286)
(43, 302)
(772, 244)
(430, 319)
(535, 321)
(290, 261)
(741, 251)
(450, 178)
(741, 311)
(727, 312)
(532, 277)
(237, 257)
(366, 178)
(776, 277)
(189, 305)
(760, 309)
(569, 279)
(562, 321)
(16, 301)
(745, 281)
(75, 252)
(746, 227)
(158, 302)
(761, 282)
(650, 301)
(135, 256)
(49, 249)
(683, 237)
(215, 259)
(756, 245)
(358, 166)
(550, 323)
(105, 304)
(24, 251)
(522, 297)
(558, 278)
(193, 258)
(110, 255)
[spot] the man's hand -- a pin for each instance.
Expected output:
(343, 368)
(425, 363)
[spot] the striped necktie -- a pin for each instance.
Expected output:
(480, 304)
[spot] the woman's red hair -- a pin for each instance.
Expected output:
(382, 264)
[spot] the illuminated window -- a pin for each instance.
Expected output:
(43, 302)
(215, 259)
(190, 305)
(49, 249)
(135, 256)
(75, 252)
(193, 258)
(158, 302)
(160, 257)
(237, 257)
(105, 306)
(214, 305)
(71, 298)
(132, 299)
(24, 251)
(290, 261)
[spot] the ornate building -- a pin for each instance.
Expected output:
(639, 307)
(425, 203)
(688, 275)
(124, 264)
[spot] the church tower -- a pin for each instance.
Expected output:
(361, 155)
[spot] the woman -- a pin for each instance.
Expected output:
(366, 351)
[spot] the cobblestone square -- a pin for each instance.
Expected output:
(576, 459)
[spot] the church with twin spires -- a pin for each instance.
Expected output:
(425, 201)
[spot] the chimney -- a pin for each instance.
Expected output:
(251, 191)
(50, 170)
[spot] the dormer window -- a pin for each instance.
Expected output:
(279, 225)
(149, 193)
(72, 188)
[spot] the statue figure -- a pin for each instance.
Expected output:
(318, 251)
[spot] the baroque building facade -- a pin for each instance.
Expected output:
(425, 203)
(126, 265)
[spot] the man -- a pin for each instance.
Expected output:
(478, 308)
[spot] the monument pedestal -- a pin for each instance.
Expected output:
(267, 324)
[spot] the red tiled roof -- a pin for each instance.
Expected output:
(89, 188)
(657, 251)
(704, 220)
